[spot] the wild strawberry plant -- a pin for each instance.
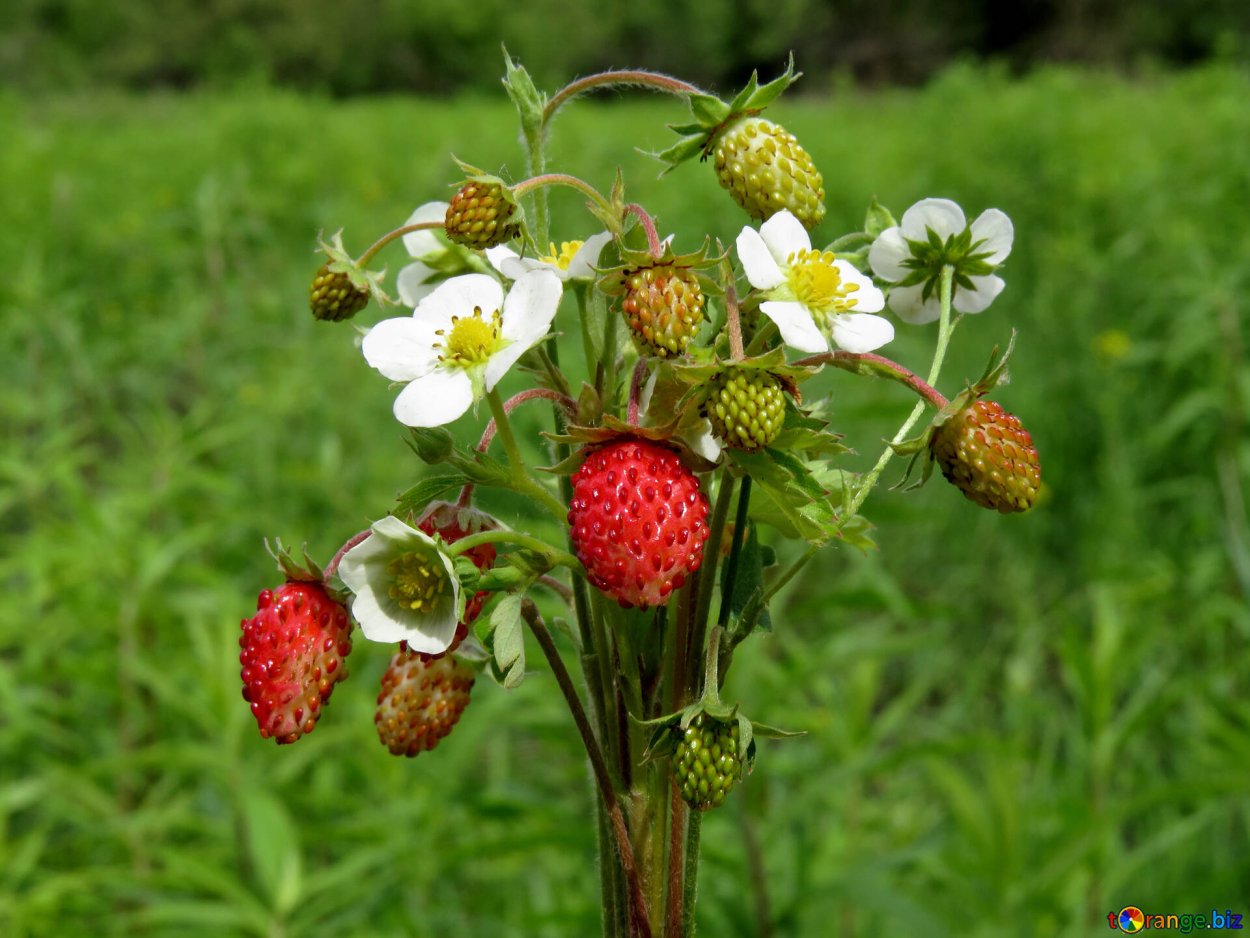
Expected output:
(691, 449)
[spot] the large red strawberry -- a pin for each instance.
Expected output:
(421, 700)
(451, 523)
(293, 651)
(638, 521)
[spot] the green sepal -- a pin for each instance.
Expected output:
(712, 116)
(338, 261)
(877, 220)
(612, 281)
(305, 570)
(435, 445)
(764, 731)
(415, 500)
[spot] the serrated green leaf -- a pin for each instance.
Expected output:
(684, 149)
(767, 94)
(507, 640)
(415, 500)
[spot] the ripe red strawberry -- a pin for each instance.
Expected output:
(987, 454)
(638, 521)
(293, 651)
(451, 523)
(421, 700)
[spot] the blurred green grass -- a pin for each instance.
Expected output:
(1016, 725)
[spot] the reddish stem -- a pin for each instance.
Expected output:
(736, 351)
(333, 566)
(512, 403)
(866, 363)
(653, 239)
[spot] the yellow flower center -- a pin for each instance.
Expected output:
(417, 581)
(472, 339)
(563, 257)
(817, 283)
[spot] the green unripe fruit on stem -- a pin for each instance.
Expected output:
(707, 762)
(746, 407)
(766, 170)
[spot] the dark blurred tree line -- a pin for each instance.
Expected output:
(356, 46)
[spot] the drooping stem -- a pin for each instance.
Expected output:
(391, 236)
(562, 179)
(868, 363)
(639, 923)
(520, 539)
(734, 322)
(633, 78)
(939, 355)
(521, 480)
(648, 225)
(513, 402)
(333, 566)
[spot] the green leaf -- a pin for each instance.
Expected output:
(748, 580)
(684, 149)
(416, 499)
(507, 640)
(273, 848)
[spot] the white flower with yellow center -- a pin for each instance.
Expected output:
(811, 294)
(404, 587)
(573, 260)
(459, 342)
(933, 234)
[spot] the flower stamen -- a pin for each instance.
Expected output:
(563, 257)
(817, 283)
(472, 339)
(417, 581)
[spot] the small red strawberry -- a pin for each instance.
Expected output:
(293, 651)
(638, 521)
(421, 700)
(986, 453)
(451, 523)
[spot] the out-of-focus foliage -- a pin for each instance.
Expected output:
(353, 46)
(1015, 725)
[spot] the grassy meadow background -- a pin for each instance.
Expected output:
(1015, 725)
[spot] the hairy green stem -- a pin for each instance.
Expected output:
(391, 236)
(544, 180)
(508, 536)
(939, 355)
(633, 78)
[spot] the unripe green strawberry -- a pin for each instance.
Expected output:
(480, 215)
(987, 454)
(707, 762)
(766, 170)
(747, 407)
(421, 700)
(334, 297)
(663, 305)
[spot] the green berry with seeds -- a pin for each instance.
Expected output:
(481, 214)
(707, 762)
(747, 408)
(766, 170)
(334, 297)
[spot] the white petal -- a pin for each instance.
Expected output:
(942, 215)
(908, 306)
(500, 255)
(796, 325)
(982, 294)
(784, 234)
(757, 261)
(531, 306)
(887, 254)
(402, 349)
(435, 398)
(648, 389)
(459, 296)
(392, 529)
(993, 228)
(582, 265)
(423, 244)
(412, 283)
(701, 440)
(868, 299)
(859, 332)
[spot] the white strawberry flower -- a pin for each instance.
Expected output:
(460, 341)
(811, 294)
(932, 234)
(404, 587)
(434, 257)
(573, 260)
